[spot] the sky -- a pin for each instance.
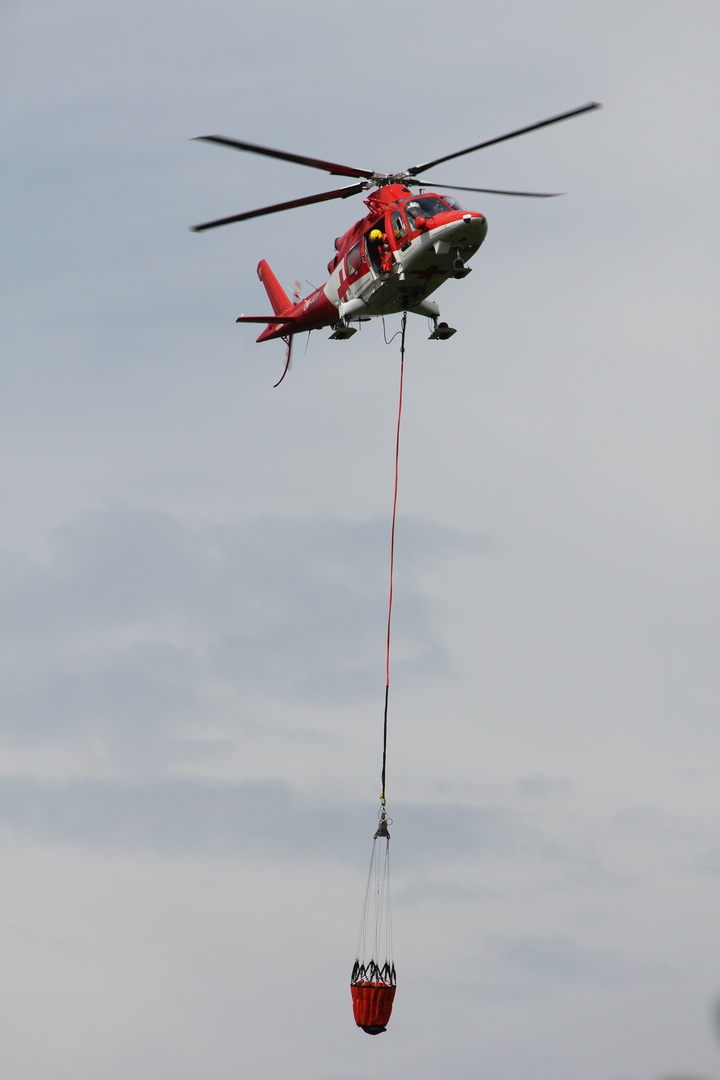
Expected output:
(194, 565)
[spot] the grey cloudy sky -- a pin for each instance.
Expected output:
(193, 567)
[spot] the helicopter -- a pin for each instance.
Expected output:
(391, 260)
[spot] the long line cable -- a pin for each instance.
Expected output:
(392, 555)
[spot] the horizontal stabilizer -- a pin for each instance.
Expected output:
(267, 319)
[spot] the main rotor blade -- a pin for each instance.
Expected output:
(440, 185)
(501, 138)
(298, 159)
(324, 196)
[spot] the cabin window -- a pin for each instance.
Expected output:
(354, 260)
(452, 203)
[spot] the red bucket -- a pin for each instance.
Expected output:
(372, 1005)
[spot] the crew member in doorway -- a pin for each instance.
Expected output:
(384, 250)
(386, 259)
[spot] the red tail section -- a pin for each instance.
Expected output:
(279, 299)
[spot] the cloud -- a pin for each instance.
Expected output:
(555, 960)
(265, 818)
(458, 853)
(540, 786)
(146, 640)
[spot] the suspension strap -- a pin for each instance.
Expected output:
(392, 556)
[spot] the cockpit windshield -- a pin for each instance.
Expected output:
(427, 206)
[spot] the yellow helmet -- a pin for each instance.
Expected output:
(376, 235)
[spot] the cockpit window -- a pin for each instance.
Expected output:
(397, 225)
(426, 206)
(452, 203)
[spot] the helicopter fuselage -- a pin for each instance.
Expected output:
(391, 260)
(428, 238)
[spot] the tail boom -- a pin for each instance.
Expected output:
(310, 313)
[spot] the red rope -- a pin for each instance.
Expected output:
(392, 553)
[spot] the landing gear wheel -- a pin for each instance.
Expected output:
(442, 332)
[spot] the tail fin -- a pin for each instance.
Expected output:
(279, 299)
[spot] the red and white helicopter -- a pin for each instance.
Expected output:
(389, 261)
